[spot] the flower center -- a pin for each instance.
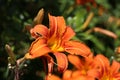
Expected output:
(55, 45)
(107, 77)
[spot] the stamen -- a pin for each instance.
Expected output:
(56, 64)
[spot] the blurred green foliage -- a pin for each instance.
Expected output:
(16, 14)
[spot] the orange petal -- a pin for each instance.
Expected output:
(49, 63)
(52, 25)
(76, 73)
(38, 48)
(39, 30)
(81, 77)
(78, 48)
(103, 62)
(61, 26)
(75, 61)
(115, 67)
(57, 25)
(69, 33)
(52, 77)
(89, 61)
(116, 76)
(62, 61)
(93, 73)
(67, 74)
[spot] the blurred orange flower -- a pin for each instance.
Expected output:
(92, 68)
(56, 40)
(86, 68)
(52, 77)
(83, 2)
(107, 71)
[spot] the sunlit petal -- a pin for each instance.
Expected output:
(117, 76)
(39, 30)
(103, 62)
(67, 74)
(81, 77)
(57, 25)
(61, 26)
(69, 33)
(115, 67)
(78, 48)
(77, 73)
(52, 77)
(93, 73)
(52, 25)
(38, 48)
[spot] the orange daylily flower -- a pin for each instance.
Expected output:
(52, 77)
(107, 71)
(68, 75)
(75, 75)
(86, 68)
(56, 40)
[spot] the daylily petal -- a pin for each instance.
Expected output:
(75, 61)
(49, 63)
(103, 62)
(115, 67)
(52, 25)
(81, 77)
(77, 75)
(107, 71)
(69, 33)
(61, 26)
(52, 30)
(57, 25)
(89, 62)
(78, 48)
(117, 76)
(52, 77)
(67, 74)
(38, 48)
(93, 73)
(39, 30)
(62, 61)
(85, 66)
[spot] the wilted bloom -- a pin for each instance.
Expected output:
(56, 40)
(86, 69)
(107, 71)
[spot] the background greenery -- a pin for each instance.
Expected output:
(15, 15)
